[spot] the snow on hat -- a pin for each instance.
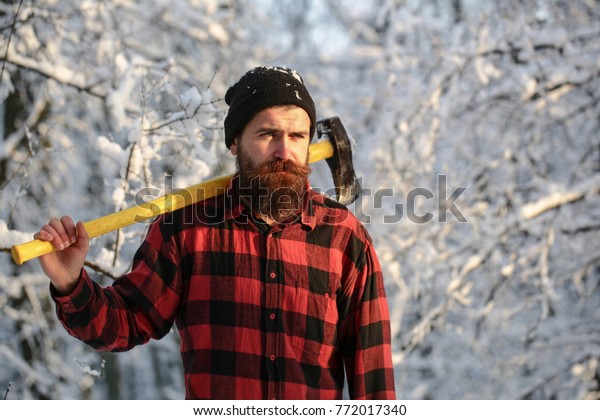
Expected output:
(261, 88)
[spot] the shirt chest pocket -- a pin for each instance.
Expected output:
(311, 325)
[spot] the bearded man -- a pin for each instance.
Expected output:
(276, 290)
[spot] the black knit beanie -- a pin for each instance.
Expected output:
(261, 88)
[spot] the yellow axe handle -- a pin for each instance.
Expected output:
(176, 200)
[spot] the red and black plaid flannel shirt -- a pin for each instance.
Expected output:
(263, 312)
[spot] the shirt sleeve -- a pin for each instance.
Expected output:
(365, 329)
(137, 307)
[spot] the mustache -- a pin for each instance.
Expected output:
(279, 165)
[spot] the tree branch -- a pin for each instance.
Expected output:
(557, 199)
(7, 390)
(12, 31)
(39, 68)
(528, 393)
(100, 270)
(88, 264)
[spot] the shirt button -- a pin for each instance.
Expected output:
(272, 316)
(272, 357)
(273, 275)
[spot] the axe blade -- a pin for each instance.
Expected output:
(347, 186)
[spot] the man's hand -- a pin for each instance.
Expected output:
(71, 242)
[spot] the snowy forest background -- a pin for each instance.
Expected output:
(497, 99)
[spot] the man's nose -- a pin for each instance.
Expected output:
(283, 151)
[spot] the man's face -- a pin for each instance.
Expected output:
(272, 154)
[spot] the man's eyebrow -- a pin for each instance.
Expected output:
(266, 128)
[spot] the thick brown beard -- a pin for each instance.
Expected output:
(276, 188)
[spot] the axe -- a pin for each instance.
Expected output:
(333, 145)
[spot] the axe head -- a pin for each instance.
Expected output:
(347, 186)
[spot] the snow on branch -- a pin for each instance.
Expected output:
(60, 74)
(559, 198)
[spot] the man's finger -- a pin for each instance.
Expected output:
(83, 239)
(61, 238)
(43, 235)
(70, 229)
